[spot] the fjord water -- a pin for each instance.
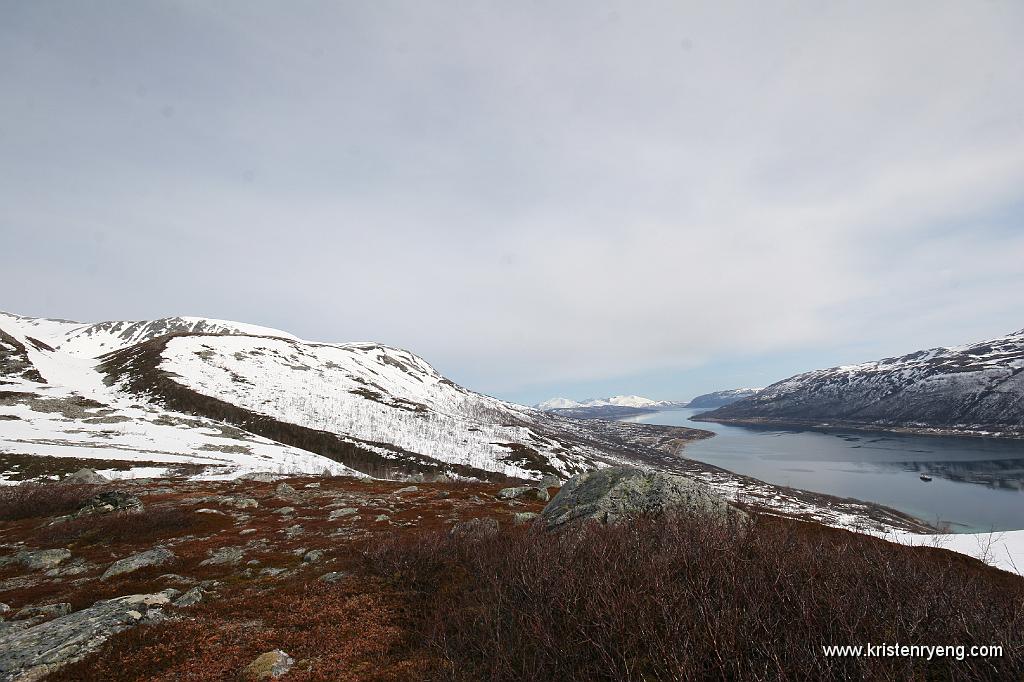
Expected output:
(977, 483)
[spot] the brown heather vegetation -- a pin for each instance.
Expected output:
(651, 600)
(32, 500)
(152, 523)
(685, 600)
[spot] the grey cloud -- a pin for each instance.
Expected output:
(522, 192)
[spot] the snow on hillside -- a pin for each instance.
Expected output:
(721, 398)
(94, 339)
(369, 392)
(975, 388)
(72, 413)
(1002, 549)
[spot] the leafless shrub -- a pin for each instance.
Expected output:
(31, 500)
(125, 526)
(686, 599)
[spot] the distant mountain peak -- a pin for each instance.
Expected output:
(629, 401)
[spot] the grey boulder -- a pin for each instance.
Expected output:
(611, 495)
(110, 501)
(152, 557)
(43, 558)
(224, 556)
(86, 475)
(526, 492)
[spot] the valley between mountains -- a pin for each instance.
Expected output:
(210, 399)
(188, 498)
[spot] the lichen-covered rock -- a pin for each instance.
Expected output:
(152, 557)
(86, 476)
(614, 494)
(522, 518)
(526, 492)
(268, 666)
(108, 502)
(31, 653)
(233, 501)
(43, 558)
(193, 596)
(341, 513)
(43, 611)
(224, 556)
(287, 492)
(313, 555)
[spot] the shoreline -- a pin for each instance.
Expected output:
(830, 510)
(841, 426)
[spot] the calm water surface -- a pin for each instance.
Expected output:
(978, 484)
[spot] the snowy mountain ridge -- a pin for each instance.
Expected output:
(615, 401)
(228, 398)
(971, 389)
(720, 398)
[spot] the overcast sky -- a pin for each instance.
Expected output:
(540, 198)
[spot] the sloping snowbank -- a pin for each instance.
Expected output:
(1002, 549)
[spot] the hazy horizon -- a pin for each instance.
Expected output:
(578, 200)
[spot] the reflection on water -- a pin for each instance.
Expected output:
(978, 484)
(1006, 474)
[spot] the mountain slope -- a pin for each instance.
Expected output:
(975, 389)
(721, 398)
(234, 398)
(55, 404)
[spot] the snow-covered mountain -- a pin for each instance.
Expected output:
(233, 397)
(616, 401)
(972, 389)
(720, 398)
(615, 407)
(558, 404)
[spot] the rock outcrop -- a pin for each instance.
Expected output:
(32, 653)
(111, 501)
(152, 557)
(611, 495)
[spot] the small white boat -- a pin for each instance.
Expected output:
(925, 477)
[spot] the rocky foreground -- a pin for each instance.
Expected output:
(153, 552)
(300, 578)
